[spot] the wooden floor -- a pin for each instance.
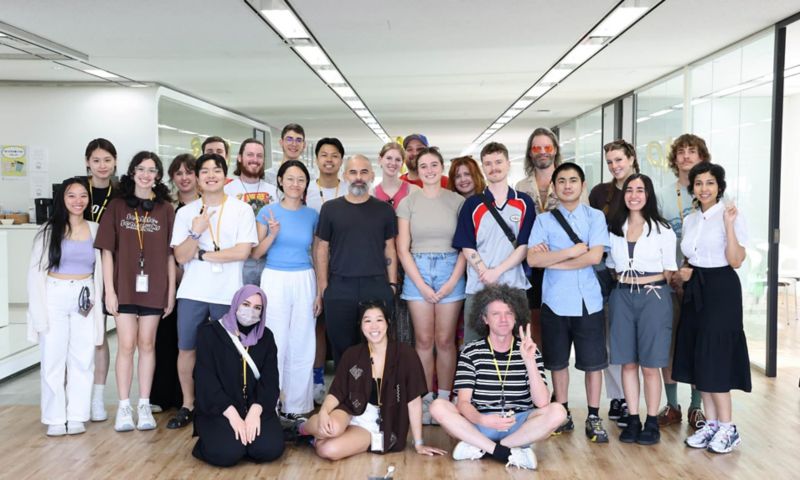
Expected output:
(768, 419)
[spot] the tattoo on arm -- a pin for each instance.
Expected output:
(388, 261)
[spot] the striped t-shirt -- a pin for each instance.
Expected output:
(476, 370)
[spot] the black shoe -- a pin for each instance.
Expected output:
(650, 435)
(595, 431)
(181, 419)
(615, 410)
(624, 419)
(632, 431)
(567, 426)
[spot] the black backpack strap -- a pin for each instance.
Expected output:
(565, 225)
(506, 229)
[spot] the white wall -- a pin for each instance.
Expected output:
(790, 172)
(64, 119)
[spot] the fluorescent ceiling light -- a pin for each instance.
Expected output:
(620, 19)
(100, 73)
(660, 112)
(286, 23)
(642, 119)
(791, 71)
(331, 76)
(496, 125)
(344, 92)
(187, 132)
(677, 106)
(362, 112)
(699, 101)
(166, 127)
(513, 111)
(137, 85)
(522, 104)
(734, 89)
(581, 53)
(556, 74)
(313, 55)
(355, 104)
(537, 91)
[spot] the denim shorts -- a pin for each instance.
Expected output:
(436, 269)
(497, 435)
(192, 314)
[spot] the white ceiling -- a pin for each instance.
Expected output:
(446, 68)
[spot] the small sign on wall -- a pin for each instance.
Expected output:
(14, 161)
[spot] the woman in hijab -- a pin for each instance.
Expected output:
(236, 385)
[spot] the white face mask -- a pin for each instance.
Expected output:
(247, 316)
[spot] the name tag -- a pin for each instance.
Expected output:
(142, 283)
(377, 442)
(216, 268)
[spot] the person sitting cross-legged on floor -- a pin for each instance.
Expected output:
(503, 401)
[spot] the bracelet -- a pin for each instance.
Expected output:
(194, 236)
(419, 442)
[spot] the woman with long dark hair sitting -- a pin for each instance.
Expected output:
(236, 385)
(64, 315)
(139, 277)
(640, 308)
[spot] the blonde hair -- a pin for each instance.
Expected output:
(392, 146)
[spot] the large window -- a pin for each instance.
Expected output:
(581, 142)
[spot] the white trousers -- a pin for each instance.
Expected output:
(290, 318)
(67, 347)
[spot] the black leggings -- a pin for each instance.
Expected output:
(218, 446)
(341, 300)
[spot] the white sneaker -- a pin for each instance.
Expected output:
(702, 437)
(146, 420)
(319, 393)
(156, 408)
(124, 420)
(465, 451)
(56, 430)
(74, 428)
(725, 440)
(522, 458)
(98, 410)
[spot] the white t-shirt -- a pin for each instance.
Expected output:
(315, 200)
(238, 226)
(654, 251)
(255, 195)
(704, 239)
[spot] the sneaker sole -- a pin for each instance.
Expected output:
(697, 446)
(99, 419)
(142, 428)
(125, 428)
(648, 442)
(729, 450)
(596, 439)
(629, 440)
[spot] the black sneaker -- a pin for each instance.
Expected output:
(622, 422)
(650, 435)
(567, 426)
(183, 417)
(595, 431)
(615, 410)
(632, 430)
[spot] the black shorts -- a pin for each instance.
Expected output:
(587, 332)
(139, 310)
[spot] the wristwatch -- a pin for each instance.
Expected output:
(200, 254)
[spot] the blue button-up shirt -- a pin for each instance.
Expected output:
(566, 291)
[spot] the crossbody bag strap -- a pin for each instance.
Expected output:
(238, 344)
(565, 225)
(506, 229)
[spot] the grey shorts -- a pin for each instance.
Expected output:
(640, 321)
(191, 314)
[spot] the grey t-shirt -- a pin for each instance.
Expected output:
(432, 220)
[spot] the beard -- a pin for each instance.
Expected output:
(358, 189)
(252, 171)
(543, 160)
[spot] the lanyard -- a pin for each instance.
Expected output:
(216, 237)
(140, 236)
(502, 379)
(680, 200)
(244, 375)
(379, 381)
(335, 195)
(96, 217)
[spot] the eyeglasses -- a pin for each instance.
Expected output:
(297, 140)
(542, 149)
(151, 171)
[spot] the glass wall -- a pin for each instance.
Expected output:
(581, 142)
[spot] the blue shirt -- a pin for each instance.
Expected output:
(565, 291)
(291, 250)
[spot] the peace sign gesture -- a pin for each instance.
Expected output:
(273, 224)
(528, 346)
(200, 223)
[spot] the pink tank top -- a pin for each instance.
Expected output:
(402, 193)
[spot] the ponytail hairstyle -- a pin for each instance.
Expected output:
(56, 228)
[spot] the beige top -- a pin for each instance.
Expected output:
(432, 220)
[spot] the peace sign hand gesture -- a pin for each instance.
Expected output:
(200, 223)
(528, 346)
(274, 225)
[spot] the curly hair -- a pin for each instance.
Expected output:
(512, 297)
(687, 140)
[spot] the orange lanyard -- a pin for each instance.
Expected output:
(216, 237)
(140, 236)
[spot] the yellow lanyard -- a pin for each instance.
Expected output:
(379, 381)
(335, 195)
(96, 218)
(140, 236)
(502, 379)
(216, 237)
(244, 371)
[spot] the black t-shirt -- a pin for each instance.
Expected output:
(100, 198)
(357, 233)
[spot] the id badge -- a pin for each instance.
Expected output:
(377, 442)
(142, 283)
(216, 268)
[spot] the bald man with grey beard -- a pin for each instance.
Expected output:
(355, 256)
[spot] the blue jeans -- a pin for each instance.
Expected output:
(436, 269)
(497, 435)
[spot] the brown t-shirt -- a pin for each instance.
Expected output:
(118, 234)
(606, 197)
(403, 381)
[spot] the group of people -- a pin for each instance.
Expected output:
(234, 289)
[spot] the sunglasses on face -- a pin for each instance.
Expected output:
(543, 149)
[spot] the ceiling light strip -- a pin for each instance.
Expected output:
(616, 22)
(283, 19)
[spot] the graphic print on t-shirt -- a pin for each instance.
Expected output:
(147, 224)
